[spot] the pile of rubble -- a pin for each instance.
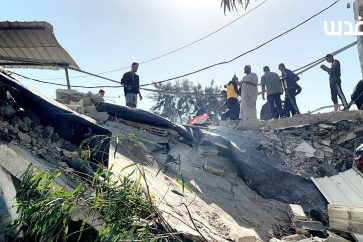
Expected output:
(83, 103)
(317, 150)
(24, 129)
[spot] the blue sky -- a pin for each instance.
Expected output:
(106, 35)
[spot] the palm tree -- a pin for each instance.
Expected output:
(231, 4)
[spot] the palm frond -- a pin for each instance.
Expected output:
(231, 5)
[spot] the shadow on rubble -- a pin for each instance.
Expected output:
(266, 175)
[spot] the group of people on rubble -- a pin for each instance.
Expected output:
(273, 86)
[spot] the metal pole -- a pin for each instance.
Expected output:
(67, 77)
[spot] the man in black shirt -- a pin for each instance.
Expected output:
(335, 82)
(292, 89)
(131, 83)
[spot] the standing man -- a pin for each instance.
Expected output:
(292, 89)
(131, 83)
(248, 95)
(232, 98)
(335, 82)
(271, 81)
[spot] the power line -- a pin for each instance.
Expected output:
(176, 50)
(249, 51)
(229, 61)
(303, 69)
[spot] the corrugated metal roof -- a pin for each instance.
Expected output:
(346, 188)
(32, 45)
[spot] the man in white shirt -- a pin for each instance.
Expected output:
(249, 95)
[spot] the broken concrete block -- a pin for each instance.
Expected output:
(207, 151)
(347, 137)
(7, 111)
(294, 237)
(249, 239)
(304, 227)
(90, 109)
(24, 137)
(214, 168)
(326, 142)
(99, 116)
(275, 240)
(306, 148)
(86, 101)
(335, 238)
(297, 212)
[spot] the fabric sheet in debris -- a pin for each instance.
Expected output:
(144, 117)
(266, 175)
(68, 124)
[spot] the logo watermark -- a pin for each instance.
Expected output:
(341, 28)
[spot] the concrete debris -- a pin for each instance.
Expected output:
(297, 212)
(294, 237)
(83, 103)
(306, 227)
(335, 238)
(249, 239)
(42, 141)
(7, 111)
(306, 148)
(213, 168)
(100, 117)
(316, 150)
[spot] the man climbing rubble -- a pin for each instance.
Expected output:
(335, 82)
(249, 93)
(292, 89)
(130, 81)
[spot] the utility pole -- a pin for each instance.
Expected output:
(358, 12)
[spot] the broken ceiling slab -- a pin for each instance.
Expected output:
(346, 188)
(307, 119)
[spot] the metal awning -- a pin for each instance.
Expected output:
(32, 45)
(346, 188)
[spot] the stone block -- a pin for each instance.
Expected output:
(24, 137)
(86, 101)
(294, 237)
(304, 227)
(207, 151)
(306, 148)
(99, 116)
(297, 212)
(90, 109)
(214, 168)
(248, 239)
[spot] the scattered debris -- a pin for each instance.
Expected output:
(297, 213)
(214, 168)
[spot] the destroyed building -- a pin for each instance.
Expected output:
(282, 180)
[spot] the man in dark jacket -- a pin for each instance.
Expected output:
(357, 95)
(335, 82)
(292, 89)
(131, 83)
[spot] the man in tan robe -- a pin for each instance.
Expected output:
(248, 96)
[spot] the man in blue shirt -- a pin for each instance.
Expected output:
(131, 83)
(292, 89)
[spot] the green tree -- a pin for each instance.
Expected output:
(181, 100)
